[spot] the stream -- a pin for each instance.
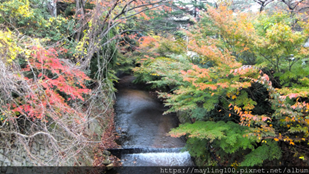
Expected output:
(143, 128)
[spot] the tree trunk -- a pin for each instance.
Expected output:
(80, 10)
(52, 7)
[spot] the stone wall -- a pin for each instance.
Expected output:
(41, 154)
(39, 151)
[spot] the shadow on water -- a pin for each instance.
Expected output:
(143, 129)
(139, 118)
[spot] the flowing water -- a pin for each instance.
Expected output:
(157, 159)
(143, 129)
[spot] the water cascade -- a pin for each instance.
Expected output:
(143, 128)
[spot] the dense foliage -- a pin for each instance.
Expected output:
(58, 61)
(242, 80)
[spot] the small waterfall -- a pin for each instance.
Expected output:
(153, 157)
(143, 130)
(157, 159)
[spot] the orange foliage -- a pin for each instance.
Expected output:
(38, 104)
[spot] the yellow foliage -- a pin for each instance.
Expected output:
(8, 46)
(17, 8)
(302, 157)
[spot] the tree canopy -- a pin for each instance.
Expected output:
(248, 73)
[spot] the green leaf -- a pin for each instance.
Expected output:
(269, 150)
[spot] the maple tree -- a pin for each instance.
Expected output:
(241, 80)
(47, 93)
(59, 83)
(216, 87)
